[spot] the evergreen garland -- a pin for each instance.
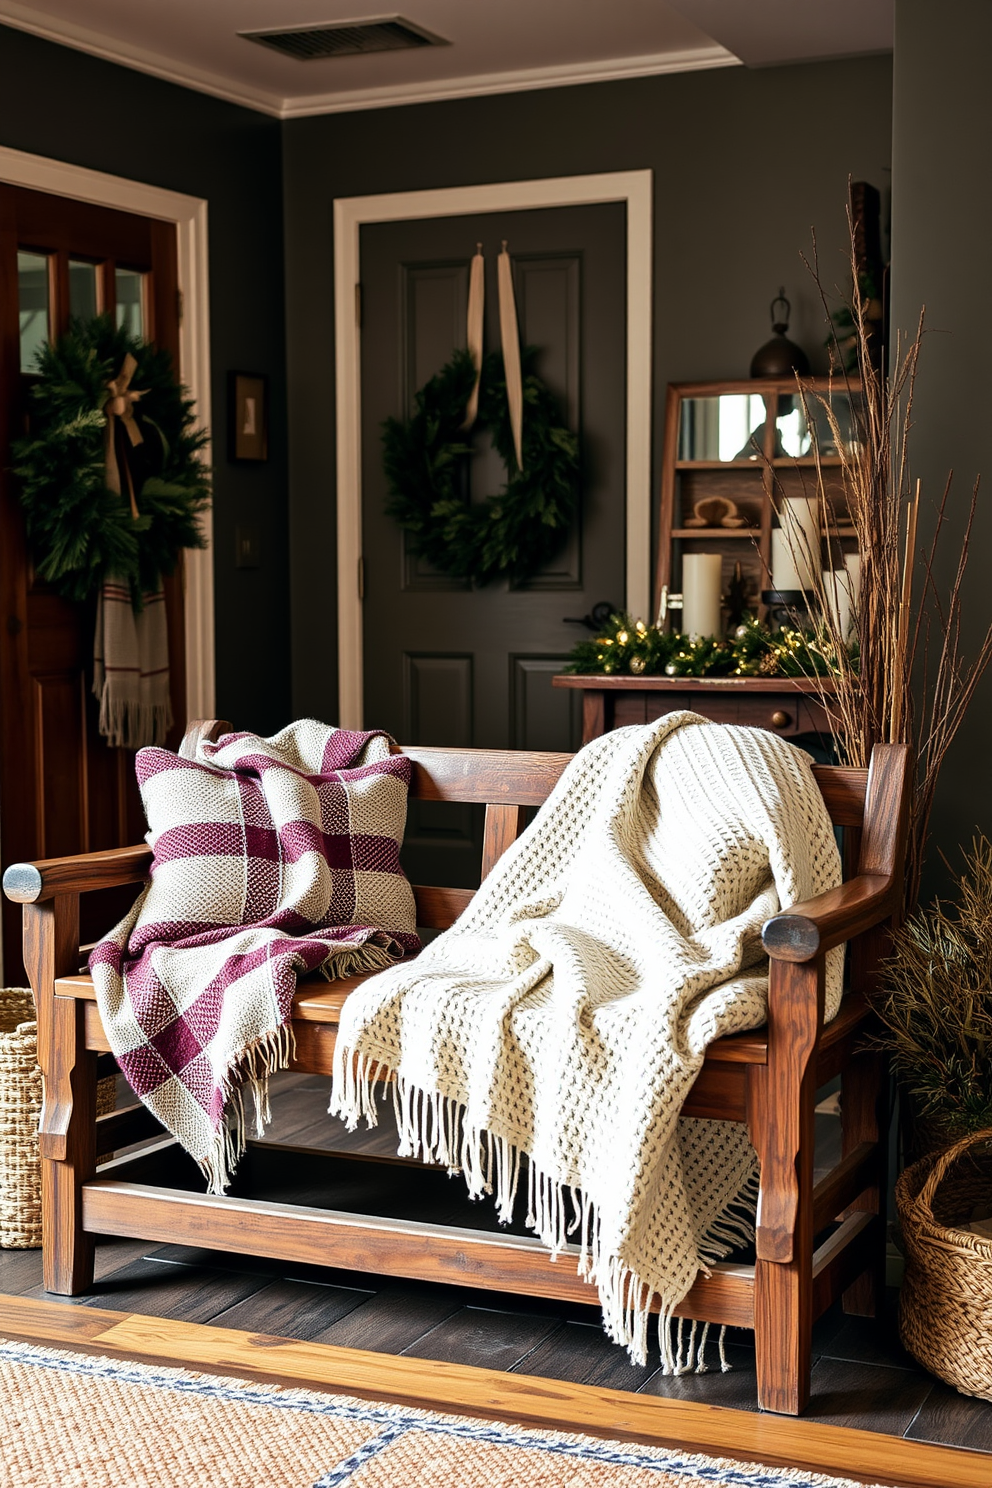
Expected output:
(80, 531)
(512, 534)
(630, 648)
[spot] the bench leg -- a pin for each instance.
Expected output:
(67, 1129)
(780, 1098)
(864, 1111)
(783, 1327)
(783, 1294)
(67, 1140)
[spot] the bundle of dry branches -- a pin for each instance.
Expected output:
(911, 681)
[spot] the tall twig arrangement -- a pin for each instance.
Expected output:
(912, 682)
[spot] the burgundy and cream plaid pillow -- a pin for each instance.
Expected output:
(272, 857)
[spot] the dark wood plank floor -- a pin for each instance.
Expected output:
(861, 1375)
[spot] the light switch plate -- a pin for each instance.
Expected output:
(247, 547)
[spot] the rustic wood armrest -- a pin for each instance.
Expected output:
(806, 930)
(28, 883)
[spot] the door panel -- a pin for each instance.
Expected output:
(542, 715)
(444, 663)
(60, 724)
(62, 790)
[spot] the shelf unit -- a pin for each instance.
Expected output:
(755, 484)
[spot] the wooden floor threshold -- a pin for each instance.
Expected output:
(462, 1390)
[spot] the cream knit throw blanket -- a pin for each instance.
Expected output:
(567, 1013)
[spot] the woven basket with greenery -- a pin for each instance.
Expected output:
(20, 1107)
(945, 1307)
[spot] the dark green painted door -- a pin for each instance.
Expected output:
(445, 664)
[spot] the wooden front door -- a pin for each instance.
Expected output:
(62, 790)
(445, 664)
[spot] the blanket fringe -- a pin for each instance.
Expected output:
(272, 1052)
(352, 960)
(127, 723)
(433, 1129)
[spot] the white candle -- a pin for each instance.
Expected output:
(796, 545)
(837, 599)
(701, 594)
(853, 565)
(785, 574)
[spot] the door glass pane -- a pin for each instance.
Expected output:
(83, 299)
(131, 301)
(33, 302)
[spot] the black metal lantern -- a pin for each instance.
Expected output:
(779, 357)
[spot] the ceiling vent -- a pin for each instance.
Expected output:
(347, 38)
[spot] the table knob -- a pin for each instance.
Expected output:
(780, 719)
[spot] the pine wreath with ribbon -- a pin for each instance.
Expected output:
(108, 411)
(510, 535)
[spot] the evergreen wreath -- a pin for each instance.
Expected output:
(512, 534)
(79, 530)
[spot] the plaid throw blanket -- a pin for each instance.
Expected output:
(131, 667)
(272, 856)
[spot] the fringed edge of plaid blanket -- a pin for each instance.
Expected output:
(432, 1127)
(250, 1070)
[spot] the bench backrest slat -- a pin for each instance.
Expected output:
(508, 778)
(491, 777)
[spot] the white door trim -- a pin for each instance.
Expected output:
(189, 213)
(634, 188)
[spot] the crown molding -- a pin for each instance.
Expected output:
(83, 39)
(438, 90)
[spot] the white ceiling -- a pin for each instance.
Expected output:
(496, 45)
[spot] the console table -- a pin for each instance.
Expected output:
(789, 706)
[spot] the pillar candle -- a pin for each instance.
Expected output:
(796, 545)
(837, 599)
(701, 594)
(853, 565)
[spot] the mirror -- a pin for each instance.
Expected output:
(725, 428)
(796, 427)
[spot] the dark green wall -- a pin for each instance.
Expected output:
(745, 164)
(942, 251)
(64, 104)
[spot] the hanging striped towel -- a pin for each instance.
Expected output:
(131, 667)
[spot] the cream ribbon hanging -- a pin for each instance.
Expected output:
(476, 305)
(120, 405)
(510, 337)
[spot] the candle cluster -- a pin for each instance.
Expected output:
(797, 566)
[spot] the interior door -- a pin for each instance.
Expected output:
(62, 790)
(446, 664)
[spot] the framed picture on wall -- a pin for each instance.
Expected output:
(248, 415)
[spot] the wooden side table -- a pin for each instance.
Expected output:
(789, 706)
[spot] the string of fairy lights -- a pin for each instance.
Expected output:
(627, 647)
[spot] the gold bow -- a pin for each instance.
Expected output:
(120, 405)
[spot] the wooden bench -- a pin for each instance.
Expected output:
(816, 1240)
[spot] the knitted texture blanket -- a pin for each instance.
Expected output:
(566, 1014)
(272, 856)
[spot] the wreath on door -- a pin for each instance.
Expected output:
(111, 477)
(510, 535)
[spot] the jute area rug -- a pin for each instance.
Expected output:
(84, 1421)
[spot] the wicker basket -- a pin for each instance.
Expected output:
(945, 1308)
(20, 1107)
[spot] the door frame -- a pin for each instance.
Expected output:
(635, 190)
(189, 214)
